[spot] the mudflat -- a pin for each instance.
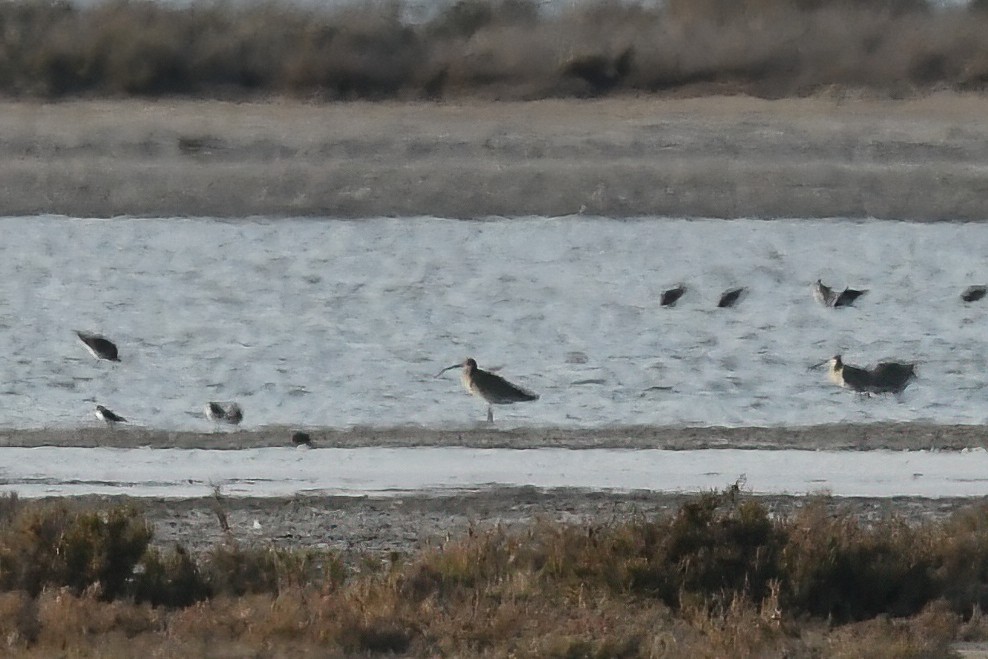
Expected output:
(833, 155)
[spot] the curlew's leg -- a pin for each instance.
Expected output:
(490, 414)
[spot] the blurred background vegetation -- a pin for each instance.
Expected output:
(500, 49)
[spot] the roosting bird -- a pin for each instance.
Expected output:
(109, 416)
(828, 297)
(98, 346)
(671, 297)
(730, 297)
(974, 293)
(494, 389)
(884, 378)
(224, 412)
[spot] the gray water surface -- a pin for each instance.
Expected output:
(341, 323)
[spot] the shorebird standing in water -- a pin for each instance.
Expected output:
(885, 378)
(494, 389)
(974, 293)
(224, 412)
(98, 346)
(730, 297)
(844, 375)
(828, 297)
(671, 297)
(108, 415)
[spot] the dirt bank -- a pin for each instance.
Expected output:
(895, 436)
(919, 159)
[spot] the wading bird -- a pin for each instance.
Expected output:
(730, 297)
(671, 297)
(828, 297)
(108, 416)
(98, 346)
(974, 293)
(884, 378)
(494, 389)
(224, 412)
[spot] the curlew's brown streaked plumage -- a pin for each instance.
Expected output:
(493, 389)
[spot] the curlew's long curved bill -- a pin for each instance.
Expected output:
(817, 365)
(448, 368)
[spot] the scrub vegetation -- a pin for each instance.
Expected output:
(504, 49)
(719, 577)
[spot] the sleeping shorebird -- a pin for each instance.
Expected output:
(98, 346)
(884, 378)
(828, 297)
(671, 296)
(730, 297)
(224, 412)
(974, 293)
(107, 415)
(492, 388)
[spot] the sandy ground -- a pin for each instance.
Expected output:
(922, 159)
(838, 155)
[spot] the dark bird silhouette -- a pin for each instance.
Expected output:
(730, 297)
(107, 415)
(828, 297)
(224, 412)
(98, 346)
(494, 389)
(974, 293)
(601, 72)
(884, 378)
(300, 438)
(671, 296)
(891, 377)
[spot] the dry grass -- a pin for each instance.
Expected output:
(491, 48)
(718, 578)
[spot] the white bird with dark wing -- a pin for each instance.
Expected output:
(98, 346)
(108, 416)
(493, 389)
(224, 412)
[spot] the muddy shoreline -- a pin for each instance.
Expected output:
(376, 526)
(863, 437)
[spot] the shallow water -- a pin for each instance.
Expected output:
(379, 471)
(342, 323)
